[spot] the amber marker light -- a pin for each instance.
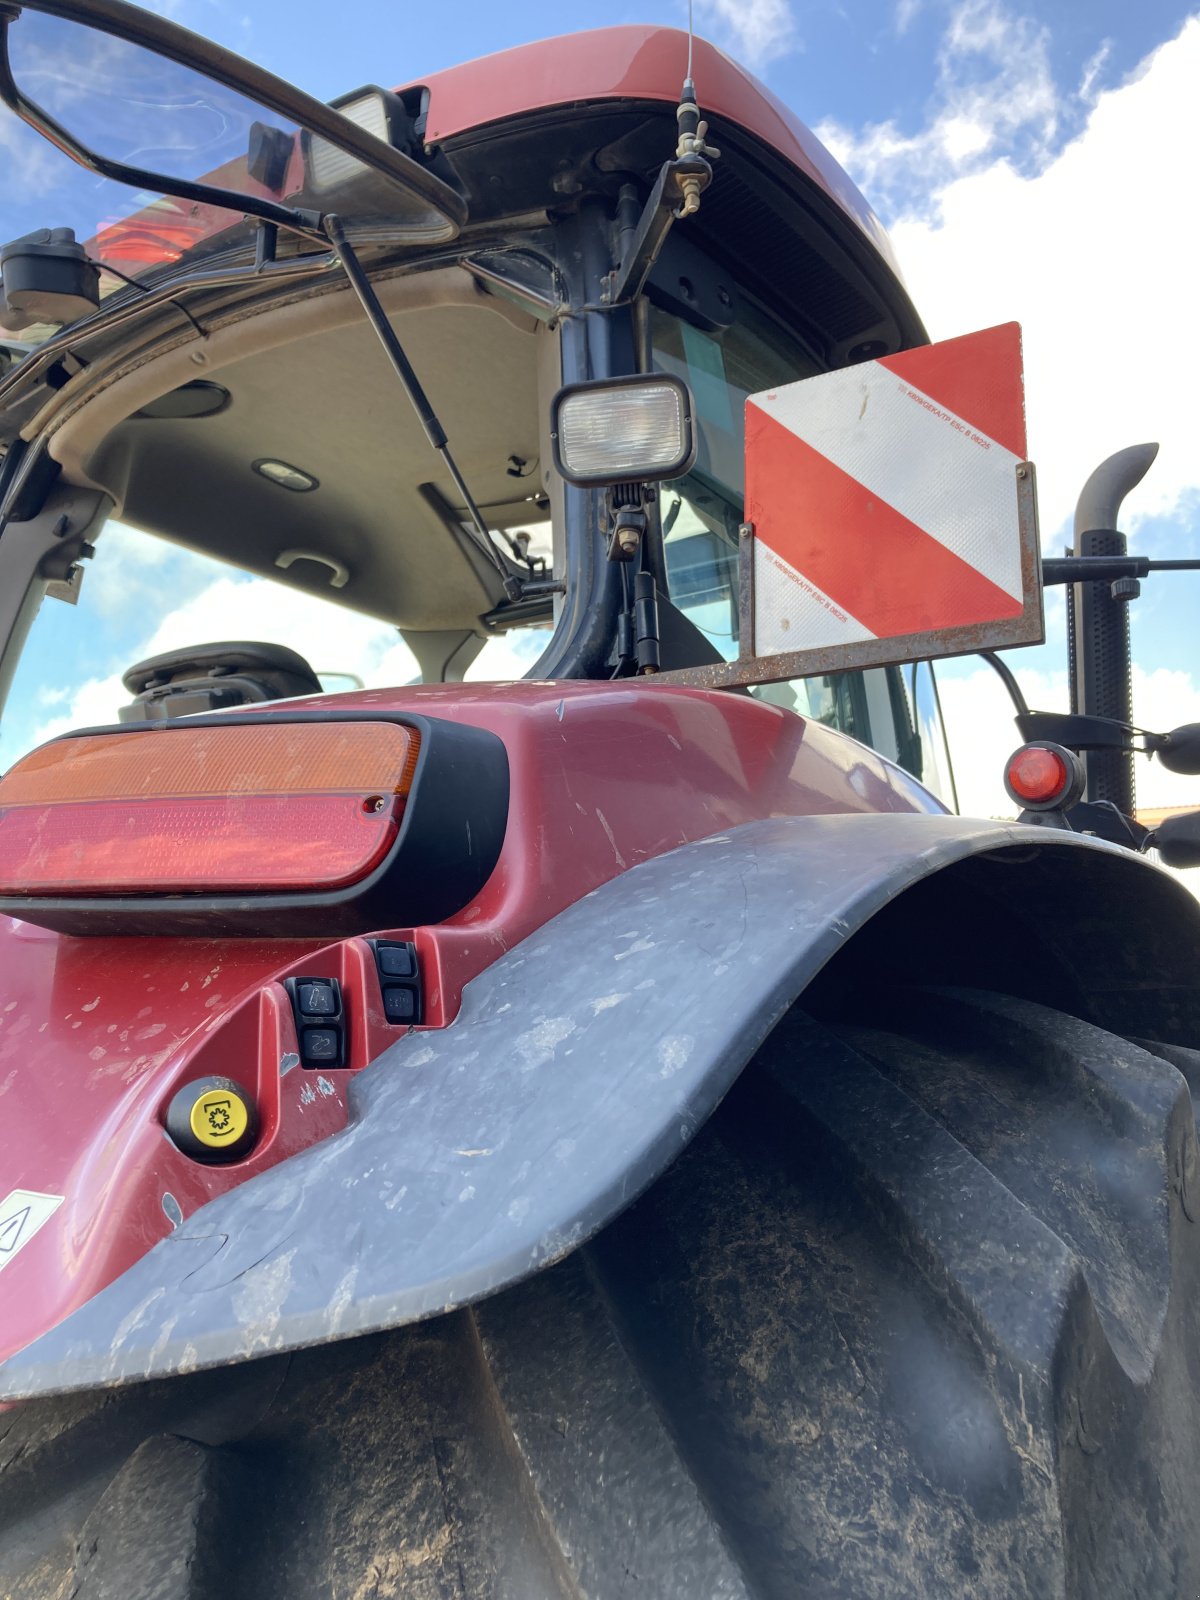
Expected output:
(216, 809)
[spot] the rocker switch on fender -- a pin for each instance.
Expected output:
(399, 980)
(320, 1020)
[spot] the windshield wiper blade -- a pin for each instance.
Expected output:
(426, 415)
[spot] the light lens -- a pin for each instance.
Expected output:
(193, 810)
(623, 432)
(285, 475)
(1038, 775)
(329, 167)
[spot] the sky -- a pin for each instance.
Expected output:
(1031, 161)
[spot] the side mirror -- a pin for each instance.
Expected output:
(1177, 839)
(1180, 750)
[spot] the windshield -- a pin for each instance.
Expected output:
(131, 105)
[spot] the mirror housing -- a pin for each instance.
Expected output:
(1177, 840)
(1180, 750)
(46, 277)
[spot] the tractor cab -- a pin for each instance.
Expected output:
(194, 371)
(513, 1081)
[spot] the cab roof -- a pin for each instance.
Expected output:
(631, 63)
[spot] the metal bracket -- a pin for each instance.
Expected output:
(676, 193)
(746, 591)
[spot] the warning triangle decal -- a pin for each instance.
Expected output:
(10, 1229)
(22, 1214)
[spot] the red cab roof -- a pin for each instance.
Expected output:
(636, 63)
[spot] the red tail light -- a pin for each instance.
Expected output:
(205, 809)
(1042, 776)
(288, 824)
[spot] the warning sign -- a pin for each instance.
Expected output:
(890, 516)
(885, 502)
(22, 1213)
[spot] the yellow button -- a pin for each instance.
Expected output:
(219, 1117)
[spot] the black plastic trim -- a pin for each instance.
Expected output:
(334, 1021)
(449, 841)
(391, 982)
(25, 485)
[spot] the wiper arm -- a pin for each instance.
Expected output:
(426, 415)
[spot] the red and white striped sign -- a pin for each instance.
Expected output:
(883, 497)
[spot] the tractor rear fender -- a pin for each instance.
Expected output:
(588, 1056)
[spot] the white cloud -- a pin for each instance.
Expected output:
(994, 90)
(1092, 69)
(133, 572)
(907, 12)
(233, 607)
(236, 606)
(508, 656)
(1093, 252)
(755, 31)
(979, 723)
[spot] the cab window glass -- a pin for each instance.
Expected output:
(701, 512)
(722, 369)
(918, 683)
(142, 596)
(837, 701)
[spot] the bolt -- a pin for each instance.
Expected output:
(1125, 589)
(1022, 472)
(628, 540)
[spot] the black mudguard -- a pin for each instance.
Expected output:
(581, 1064)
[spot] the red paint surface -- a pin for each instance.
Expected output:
(97, 1034)
(884, 570)
(978, 376)
(635, 63)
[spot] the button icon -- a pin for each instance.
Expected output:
(400, 1004)
(219, 1118)
(396, 960)
(213, 1119)
(320, 1045)
(317, 999)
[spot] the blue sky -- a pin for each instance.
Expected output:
(856, 62)
(1033, 160)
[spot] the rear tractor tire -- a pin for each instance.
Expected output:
(916, 1316)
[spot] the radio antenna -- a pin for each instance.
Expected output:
(693, 155)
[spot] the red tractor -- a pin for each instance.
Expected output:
(617, 1131)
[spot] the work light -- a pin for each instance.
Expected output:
(327, 167)
(623, 430)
